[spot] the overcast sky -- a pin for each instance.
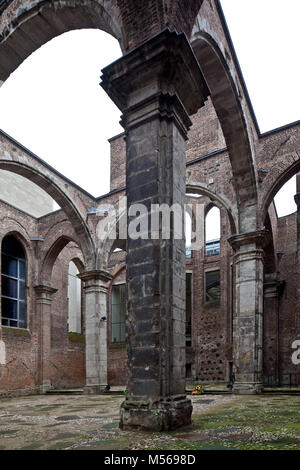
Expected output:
(53, 103)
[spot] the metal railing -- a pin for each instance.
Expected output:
(285, 380)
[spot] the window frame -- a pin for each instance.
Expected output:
(209, 271)
(17, 322)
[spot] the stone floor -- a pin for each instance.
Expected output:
(91, 422)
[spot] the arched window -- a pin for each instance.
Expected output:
(13, 277)
(212, 232)
(74, 300)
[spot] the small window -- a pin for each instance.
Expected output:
(117, 313)
(13, 299)
(212, 286)
(212, 232)
(212, 248)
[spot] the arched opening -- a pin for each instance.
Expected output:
(212, 231)
(74, 293)
(13, 283)
(225, 98)
(31, 26)
(68, 67)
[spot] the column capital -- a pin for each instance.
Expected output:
(95, 275)
(271, 288)
(44, 292)
(165, 63)
(260, 238)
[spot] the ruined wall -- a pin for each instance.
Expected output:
(19, 370)
(24, 195)
(67, 349)
(288, 332)
(20, 366)
(116, 353)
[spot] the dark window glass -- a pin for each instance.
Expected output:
(212, 286)
(9, 287)
(9, 308)
(21, 290)
(9, 266)
(22, 269)
(188, 310)
(13, 283)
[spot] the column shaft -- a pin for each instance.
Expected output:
(157, 85)
(248, 321)
(43, 296)
(95, 294)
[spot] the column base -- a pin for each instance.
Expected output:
(247, 388)
(163, 415)
(94, 389)
(45, 387)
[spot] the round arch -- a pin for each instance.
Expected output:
(34, 23)
(273, 189)
(198, 188)
(227, 102)
(48, 184)
(111, 241)
(51, 256)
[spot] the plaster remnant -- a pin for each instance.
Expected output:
(2, 353)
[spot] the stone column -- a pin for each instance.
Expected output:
(271, 328)
(43, 299)
(157, 85)
(248, 321)
(95, 294)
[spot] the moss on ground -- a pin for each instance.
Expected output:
(265, 422)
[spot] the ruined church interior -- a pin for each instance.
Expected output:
(84, 307)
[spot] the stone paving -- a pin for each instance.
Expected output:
(85, 422)
(71, 422)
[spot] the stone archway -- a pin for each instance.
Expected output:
(227, 103)
(27, 26)
(54, 184)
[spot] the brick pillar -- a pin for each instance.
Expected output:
(297, 200)
(43, 299)
(248, 322)
(95, 294)
(156, 86)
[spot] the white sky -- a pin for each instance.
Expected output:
(53, 103)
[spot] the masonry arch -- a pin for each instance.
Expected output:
(32, 24)
(54, 188)
(112, 240)
(198, 188)
(51, 256)
(273, 185)
(227, 102)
